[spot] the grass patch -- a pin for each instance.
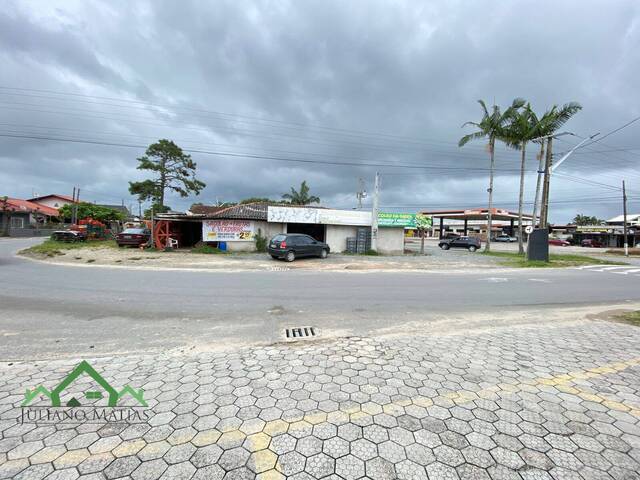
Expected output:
(555, 260)
(620, 251)
(52, 248)
(208, 250)
(632, 318)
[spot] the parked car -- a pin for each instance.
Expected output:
(470, 243)
(505, 238)
(68, 236)
(296, 245)
(133, 236)
(558, 242)
(591, 243)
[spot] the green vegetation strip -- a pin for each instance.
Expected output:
(52, 248)
(632, 318)
(555, 260)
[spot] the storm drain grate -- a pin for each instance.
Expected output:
(300, 332)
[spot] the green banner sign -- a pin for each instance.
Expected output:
(396, 220)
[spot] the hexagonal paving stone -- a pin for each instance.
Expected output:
(350, 467)
(320, 465)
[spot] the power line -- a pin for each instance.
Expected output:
(244, 155)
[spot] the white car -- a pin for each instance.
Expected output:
(505, 238)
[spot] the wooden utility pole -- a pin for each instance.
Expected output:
(624, 214)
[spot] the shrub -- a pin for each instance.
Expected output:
(261, 242)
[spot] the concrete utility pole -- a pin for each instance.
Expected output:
(374, 213)
(548, 170)
(624, 210)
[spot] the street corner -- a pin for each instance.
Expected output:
(523, 402)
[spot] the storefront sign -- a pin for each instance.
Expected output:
(325, 216)
(292, 215)
(594, 229)
(228, 231)
(407, 220)
(345, 217)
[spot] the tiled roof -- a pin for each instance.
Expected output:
(248, 211)
(18, 205)
(63, 197)
(205, 209)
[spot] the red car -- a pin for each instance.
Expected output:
(133, 236)
(558, 242)
(588, 242)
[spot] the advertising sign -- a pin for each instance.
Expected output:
(228, 231)
(344, 217)
(292, 215)
(397, 220)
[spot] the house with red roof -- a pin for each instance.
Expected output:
(53, 200)
(16, 213)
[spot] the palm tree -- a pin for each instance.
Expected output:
(301, 197)
(548, 124)
(522, 129)
(492, 127)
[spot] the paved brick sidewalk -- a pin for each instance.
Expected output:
(545, 402)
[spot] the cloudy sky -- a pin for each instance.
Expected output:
(267, 94)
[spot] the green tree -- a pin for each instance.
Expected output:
(156, 208)
(7, 210)
(301, 197)
(522, 129)
(580, 219)
(257, 200)
(492, 127)
(174, 170)
(85, 210)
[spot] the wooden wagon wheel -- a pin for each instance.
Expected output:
(161, 234)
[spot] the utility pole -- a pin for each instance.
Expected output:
(73, 207)
(624, 210)
(548, 170)
(361, 193)
(538, 184)
(374, 213)
(140, 209)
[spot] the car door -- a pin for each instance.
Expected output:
(458, 242)
(307, 246)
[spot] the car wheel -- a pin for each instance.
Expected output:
(444, 247)
(323, 253)
(472, 248)
(290, 256)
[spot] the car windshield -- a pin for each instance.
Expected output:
(279, 238)
(134, 231)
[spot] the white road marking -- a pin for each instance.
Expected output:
(497, 280)
(618, 269)
(541, 280)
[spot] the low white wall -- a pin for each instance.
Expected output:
(391, 241)
(267, 230)
(336, 236)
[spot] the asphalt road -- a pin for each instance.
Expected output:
(48, 310)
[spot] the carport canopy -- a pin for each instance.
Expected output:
(498, 214)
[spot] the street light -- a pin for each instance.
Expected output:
(540, 251)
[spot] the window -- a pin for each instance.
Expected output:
(17, 222)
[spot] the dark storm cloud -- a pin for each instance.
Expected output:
(413, 69)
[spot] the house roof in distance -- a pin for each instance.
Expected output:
(26, 206)
(51, 195)
(631, 217)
